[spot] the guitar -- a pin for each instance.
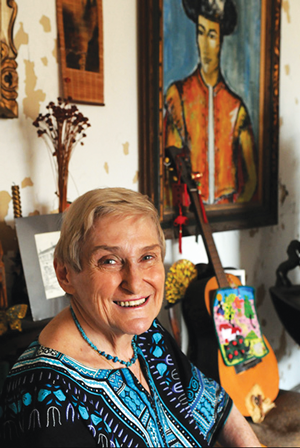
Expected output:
(252, 373)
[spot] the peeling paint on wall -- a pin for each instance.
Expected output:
(126, 148)
(27, 182)
(106, 168)
(283, 193)
(5, 199)
(31, 103)
(34, 213)
(46, 24)
(54, 52)
(21, 38)
(44, 61)
(286, 9)
(136, 177)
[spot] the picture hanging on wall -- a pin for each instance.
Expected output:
(37, 238)
(209, 85)
(80, 32)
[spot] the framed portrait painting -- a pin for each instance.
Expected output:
(80, 31)
(209, 85)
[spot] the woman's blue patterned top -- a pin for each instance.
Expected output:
(51, 400)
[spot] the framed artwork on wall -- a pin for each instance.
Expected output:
(209, 82)
(80, 32)
(37, 237)
(8, 64)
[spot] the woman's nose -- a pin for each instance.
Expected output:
(132, 278)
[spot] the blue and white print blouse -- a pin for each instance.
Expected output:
(52, 400)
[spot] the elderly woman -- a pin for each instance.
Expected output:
(104, 371)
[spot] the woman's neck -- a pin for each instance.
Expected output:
(104, 345)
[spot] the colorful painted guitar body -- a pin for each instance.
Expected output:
(225, 338)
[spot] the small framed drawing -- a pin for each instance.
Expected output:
(37, 236)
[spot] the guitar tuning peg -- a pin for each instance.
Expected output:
(196, 176)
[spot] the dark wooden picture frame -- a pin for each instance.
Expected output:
(80, 32)
(222, 217)
(8, 64)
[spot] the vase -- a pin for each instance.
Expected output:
(62, 187)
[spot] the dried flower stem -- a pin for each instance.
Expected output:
(63, 127)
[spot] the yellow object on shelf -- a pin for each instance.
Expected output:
(12, 318)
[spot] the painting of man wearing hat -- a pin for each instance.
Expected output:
(206, 115)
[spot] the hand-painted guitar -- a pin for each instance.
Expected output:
(225, 339)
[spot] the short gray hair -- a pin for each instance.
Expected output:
(81, 215)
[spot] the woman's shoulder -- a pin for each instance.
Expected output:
(58, 332)
(156, 341)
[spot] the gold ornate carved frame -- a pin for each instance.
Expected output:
(8, 65)
(151, 114)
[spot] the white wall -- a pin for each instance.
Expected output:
(105, 161)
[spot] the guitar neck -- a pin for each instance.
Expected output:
(209, 242)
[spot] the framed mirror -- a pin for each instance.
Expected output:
(8, 65)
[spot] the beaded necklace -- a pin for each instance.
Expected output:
(102, 353)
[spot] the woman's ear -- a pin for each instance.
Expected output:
(63, 277)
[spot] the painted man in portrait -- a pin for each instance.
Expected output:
(205, 115)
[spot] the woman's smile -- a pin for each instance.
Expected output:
(131, 303)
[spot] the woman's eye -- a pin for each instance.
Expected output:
(110, 261)
(107, 261)
(148, 257)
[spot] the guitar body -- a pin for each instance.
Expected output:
(238, 385)
(249, 373)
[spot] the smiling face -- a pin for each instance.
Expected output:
(209, 44)
(120, 288)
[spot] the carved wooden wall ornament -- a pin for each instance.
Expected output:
(8, 65)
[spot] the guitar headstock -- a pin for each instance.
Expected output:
(181, 162)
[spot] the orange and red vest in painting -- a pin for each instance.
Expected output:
(187, 123)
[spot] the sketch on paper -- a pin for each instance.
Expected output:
(45, 243)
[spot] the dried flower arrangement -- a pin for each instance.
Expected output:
(64, 127)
